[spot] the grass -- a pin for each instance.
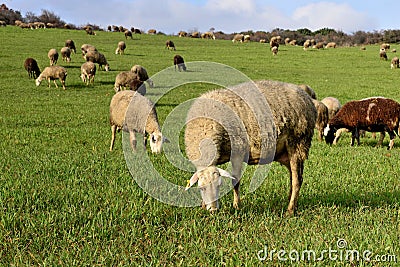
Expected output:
(65, 200)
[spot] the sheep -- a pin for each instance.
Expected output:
(274, 41)
(238, 38)
(221, 126)
(124, 79)
(318, 45)
(385, 46)
(306, 45)
(31, 66)
(182, 34)
(375, 114)
(88, 72)
(178, 61)
(53, 73)
(97, 57)
(69, 43)
(133, 113)
(87, 47)
(308, 90)
(66, 54)
(322, 118)
(121, 48)
(382, 54)
(394, 63)
(170, 45)
(246, 38)
(333, 105)
(208, 35)
(127, 34)
(142, 74)
(274, 50)
(152, 31)
(330, 45)
(53, 56)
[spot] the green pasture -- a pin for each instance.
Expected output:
(65, 200)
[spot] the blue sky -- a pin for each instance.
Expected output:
(171, 16)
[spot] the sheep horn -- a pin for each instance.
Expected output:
(225, 174)
(192, 181)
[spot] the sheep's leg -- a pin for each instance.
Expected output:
(355, 135)
(381, 137)
(392, 136)
(49, 82)
(132, 139)
(296, 176)
(55, 83)
(113, 130)
(236, 172)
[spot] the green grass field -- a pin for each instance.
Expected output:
(65, 200)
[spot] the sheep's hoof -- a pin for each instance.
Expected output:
(236, 206)
(290, 213)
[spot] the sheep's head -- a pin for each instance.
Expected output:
(209, 181)
(38, 81)
(329, 133)
(156, 142)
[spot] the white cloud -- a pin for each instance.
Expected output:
(332, 15)
(232, 6)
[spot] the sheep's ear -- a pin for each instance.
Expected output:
(192, 181)
(225, 174)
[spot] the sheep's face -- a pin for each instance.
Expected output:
(209, 181)
(156, 141)
(38, 81)
(329, 133)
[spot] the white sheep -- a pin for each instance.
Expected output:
(66, 54)
(142, 74)
(394, 64)
(53, 56)
(121, 48)
(333, 105)
(87, 47)
(88, 72)
(134, 113)
(274, 50)
(53, 73)
(224, 125)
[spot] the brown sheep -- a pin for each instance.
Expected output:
(170, 45)
(31, 66)
(178, 61)
(53, 56)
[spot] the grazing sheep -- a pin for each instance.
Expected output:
(127, 34)
(133, 113)
(66, 54)
(88, 71)
(308, 90)
(221, 127)
(152, 31)
(69, 43)
(53, 56)
(274, 50)
(376, 114)
(385, 46)
(238, 38)
(97, 57)
(318, 45)
(330, 45)
(322, 118)
(53, 73)
(394, 63)
(121, 48)
(246, 38)
(86, 48)
(274, 41)
(382, 54)
(170, 45)
(195, 35)
(142, 74)
(124, 79)
(333, 105)
(31, 66)
(208, 35)
(394, 50)
(306, 45)
(182, 34)
(178, 61)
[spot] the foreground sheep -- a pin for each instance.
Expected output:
(53, 56)
(97, 57)
(394, 64)
(142, 74)
(376, 114)
(53, 73)
(208, 143)
(88, 72)
(133, 113)
(32, 67)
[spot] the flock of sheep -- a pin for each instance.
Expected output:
(254, 122)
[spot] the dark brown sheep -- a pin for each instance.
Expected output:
(32, 67)
(178, 61)
(170, 45)
(71, 45)
(376, 114)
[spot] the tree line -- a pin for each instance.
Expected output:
(9, 16)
